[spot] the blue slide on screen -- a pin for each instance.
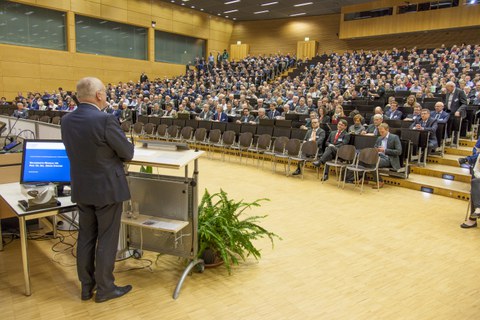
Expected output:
(45, 162)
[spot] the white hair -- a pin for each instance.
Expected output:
(87, 87)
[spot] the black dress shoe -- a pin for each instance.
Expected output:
(87, 293)
(296, 172)
(325, 178)
(466, 226)
(116, 293)
(317, 163)
(462, 161)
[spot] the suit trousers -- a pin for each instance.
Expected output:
(475, 194)
(329, 153)
(97, 245)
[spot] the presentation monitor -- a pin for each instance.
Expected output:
(45, 161)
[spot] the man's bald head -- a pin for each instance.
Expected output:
(88, 87)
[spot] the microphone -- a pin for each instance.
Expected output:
(10, 131)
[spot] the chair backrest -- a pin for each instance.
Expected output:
(279, 144)
(149, 128)
(309, 149)
(214, 136)
(292, 148)
(264, 141)
(138, 127)
(363, 141)
(245, 139)
(172, 131)
(346, 152)
(44, 119)
(34, 117)
(162, 130)
(219, 125)
(281, 132)
(186, 133)
(56, 120)
(200, 134)
(368, 156)
(126, 126)
(229, 137)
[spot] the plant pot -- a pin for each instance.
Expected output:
(211, 259)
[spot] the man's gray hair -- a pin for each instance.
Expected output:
(88, 87)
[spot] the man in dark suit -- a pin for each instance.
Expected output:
(97, 149)
(393, 113)
(426, 123)
(335, 140)
(389, 149)
(273, 112)
(315, 133)
(126, 114)
(372, 129)
(206, 114)
(220, 116)
(21, 111)
(439, 114)
(455, 100)
(246, 116)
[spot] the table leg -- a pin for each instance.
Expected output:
(23, 241)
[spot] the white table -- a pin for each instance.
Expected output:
(11, 193)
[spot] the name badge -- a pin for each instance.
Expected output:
(340, 139)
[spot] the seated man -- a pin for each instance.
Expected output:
(471, 159)
(261, 115)
(316, 134)
(393, 113)
(372, 129)
(335, 140)
(169, 111)
(378, 110)
(427, 123)
(308, 121)
(301, 108)
(156, 111)
(206, 114)
(246, 116)
(220, 116)
(417, 110)
(126, 113)
(273, 112)
(439, 114)
(389, 149)
(21, 111)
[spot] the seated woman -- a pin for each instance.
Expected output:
(323, 116)
(357, 126)
(411, 102)
(338, 114)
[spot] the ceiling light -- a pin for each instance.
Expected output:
(269, 4)
(219, 14)
(303, 4)
(201, 9)
(193, 7)
(234, 18)
(230, 11)
(263, 11)
(230, 2)
(297, 14)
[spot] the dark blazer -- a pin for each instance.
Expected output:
(442, 116)
(371, 129)
(431, 126)
(244, 119)
(319, 137)
(205, 115)
(343, 138)
(273, 114)
(394, 149)
(395, 115)
(97, 148)
(20, 114)
(223, 117)
(459, 102)
(126, 115)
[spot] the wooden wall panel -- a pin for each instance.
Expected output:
(33, 69)
(449, 18)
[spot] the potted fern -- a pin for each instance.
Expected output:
(225, 232)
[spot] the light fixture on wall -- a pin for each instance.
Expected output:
(154, 24)
(239, 42)
(307, 39)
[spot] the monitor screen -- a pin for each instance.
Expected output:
(44, 161)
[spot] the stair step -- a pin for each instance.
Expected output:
(467, 143)
(447, 159)
(448, 188)
(461, 174)
(460, 151)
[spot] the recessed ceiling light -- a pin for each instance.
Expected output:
(193, 7)
(233, 1)
(303, 4)
(201, 9)
(183, 3)
(234, 18)
(269, 4)
(297, 14)
(219, 14)
(226, 16)
(230, 11)
(263, 11)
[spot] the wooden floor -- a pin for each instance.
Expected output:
(393, 254)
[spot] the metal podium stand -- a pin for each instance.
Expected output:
(168, 207)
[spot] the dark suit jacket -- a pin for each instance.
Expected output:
(248, 118)
(442, 117)
(126, 115)
(431, 126)
(223, 117)
(396, 115)
(371, 129)
(394, 149)
(272, 114)
(459, 102)
(97, 148)
(319, 137)
(206, 115)
(343, 138)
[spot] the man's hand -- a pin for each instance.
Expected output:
(381, 149)
(457, 114)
